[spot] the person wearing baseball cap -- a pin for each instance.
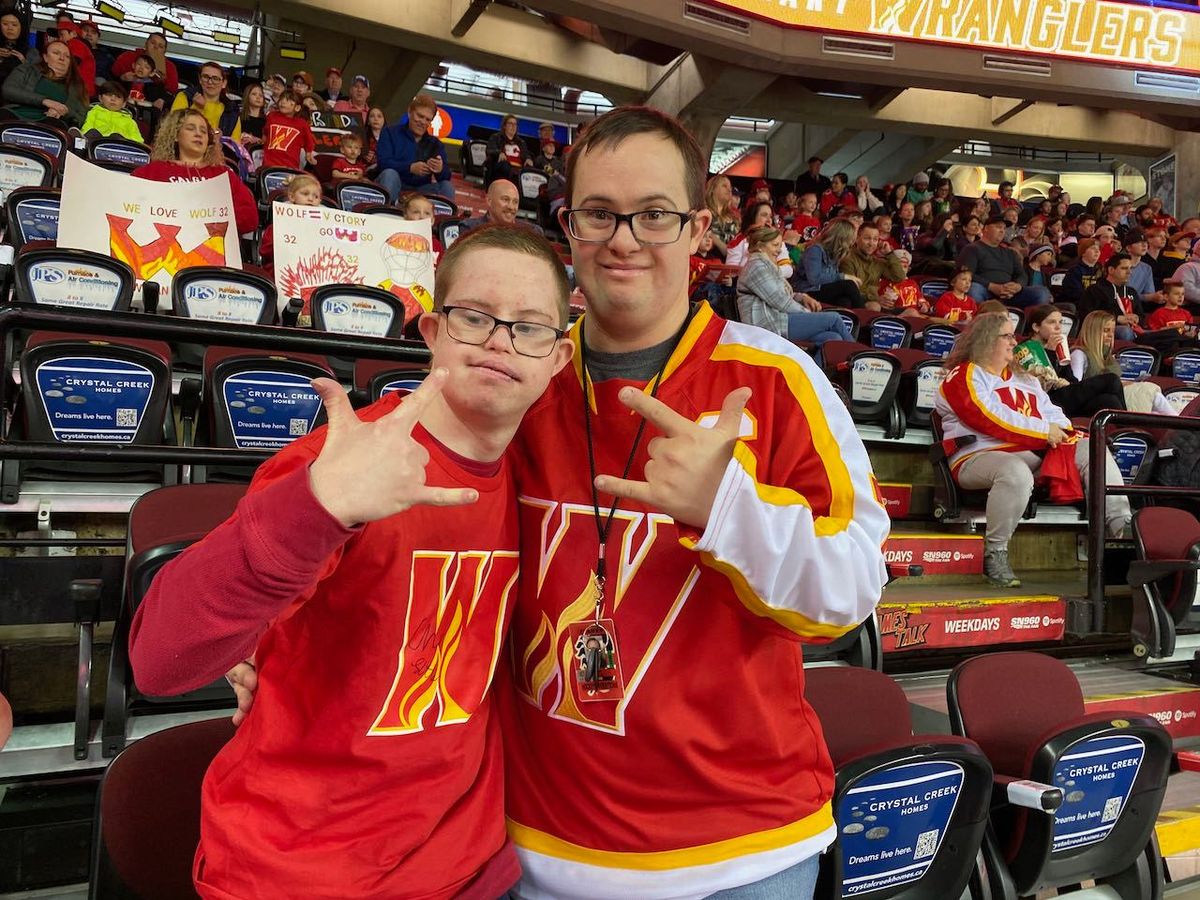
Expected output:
(1141, 275)
(89, 31)
(333, 86)
(68, 33)
(302, 83)
(359, 101)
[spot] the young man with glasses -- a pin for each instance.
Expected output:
(695, 504)
(222, 111)
(373, 568)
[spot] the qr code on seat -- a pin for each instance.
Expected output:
(127, 418)
(1112, 809)
(297, 427)
(926, 844)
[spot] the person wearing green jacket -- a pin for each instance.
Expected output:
(49, 88)
(109, 115)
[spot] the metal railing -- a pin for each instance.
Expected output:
(188, 331)
(983, 148)
(1098, 490)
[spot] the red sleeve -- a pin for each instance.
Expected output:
(245, 208)
(207, 608)
(171, 82)
(123, 63)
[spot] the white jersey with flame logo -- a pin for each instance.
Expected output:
(711, 771)
(1009, 411)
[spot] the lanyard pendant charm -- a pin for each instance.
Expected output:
(597, 663)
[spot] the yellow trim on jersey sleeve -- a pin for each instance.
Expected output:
(841, 488)
(793, 621)
(662, 860)
(1007, 426)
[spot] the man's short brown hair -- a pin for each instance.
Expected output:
(504, 237)
(612, 128)
(423, 101)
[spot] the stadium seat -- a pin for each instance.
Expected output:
(443, 207)
(76, 389)
(1137, 361)
(938, 340)
(357, 309)
(1181, 397)
(1185, 365)
(851, 317)
(871, 379)
(162, 524)
(350, 195)
(1016, 315)
(474, 159)
(1133, 449)
(532, 182)
(1071, 318)
(948, 498)
(147, 821)
(252, 400)
(79, 279)
(381, 209)
(447, 230)
(888, 332)
(933, 288)
(1163, 577)
(1026, 712)
(375, 378)
(220, 294)
(911, 812)
(920, 377)
(117, 153)
(31, 214)
(46, 139)
(270, 180)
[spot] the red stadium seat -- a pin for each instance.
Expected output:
(148, 813)
(1026, 712)
(877, 759)
(1163, 577)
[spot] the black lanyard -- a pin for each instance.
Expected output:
(604, 523)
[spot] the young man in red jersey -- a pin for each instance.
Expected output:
(682, 762)
(372, 568)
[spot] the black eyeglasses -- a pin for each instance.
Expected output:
(470, 326)
(594, 225)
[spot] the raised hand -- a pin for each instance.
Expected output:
(687, 462)
(371, 470)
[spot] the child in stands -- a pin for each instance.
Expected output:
(302, 190)
(887, 243)
(1039, 264)
(805, 220)
(350, 166)
(415, 207)
(904, 297)
(1172, 314)
(957, 305)
(145, 87)
(109, 115)
(287, 134)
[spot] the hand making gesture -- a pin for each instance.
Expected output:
(687, 462)
(385, 448)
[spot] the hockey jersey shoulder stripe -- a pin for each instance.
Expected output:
(970, 376)
(805, 829)
(755, 346)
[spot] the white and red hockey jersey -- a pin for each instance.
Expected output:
(711, 771)
(1009, 411)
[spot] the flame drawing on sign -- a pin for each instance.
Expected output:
(164, 252)
(326, 266)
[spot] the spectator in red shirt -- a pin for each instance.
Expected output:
(156, 46)
(68, 33)
(1172, 314)
(286, 134)
(957, 305)
(350, 166)
(1005, 199)
(805, 221)
(839, 199)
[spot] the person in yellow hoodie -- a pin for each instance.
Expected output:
(109, 115)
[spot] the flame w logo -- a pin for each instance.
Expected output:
(165, 252)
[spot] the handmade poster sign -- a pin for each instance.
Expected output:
(157, 228)
(315, 245)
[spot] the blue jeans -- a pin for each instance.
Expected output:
(389, 180)
(817, 327)
(1027, 296)
(796, 883)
